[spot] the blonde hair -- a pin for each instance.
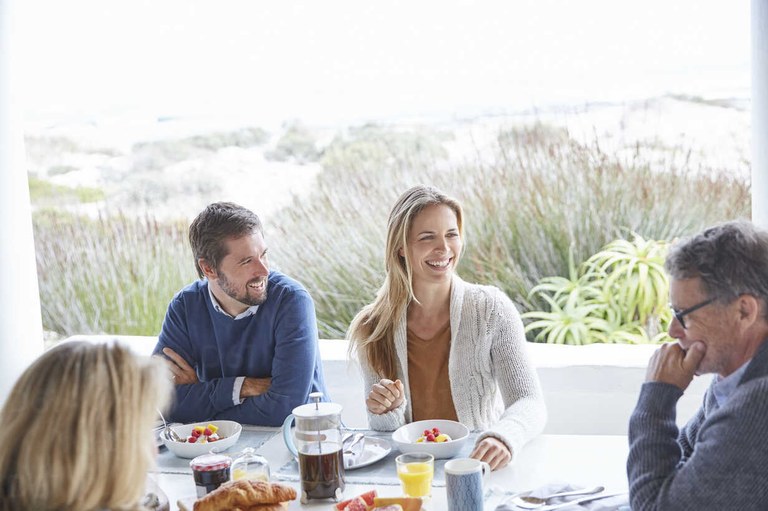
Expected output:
(372, 330)
(77, 429)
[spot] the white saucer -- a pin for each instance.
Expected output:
(374, 449)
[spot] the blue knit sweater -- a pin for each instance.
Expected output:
(279, 341)
(718, 461)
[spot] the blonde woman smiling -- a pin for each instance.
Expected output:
(77, 429)
(432, 346)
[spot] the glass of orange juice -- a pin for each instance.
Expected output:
(415, 471)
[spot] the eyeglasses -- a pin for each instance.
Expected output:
(680, 315)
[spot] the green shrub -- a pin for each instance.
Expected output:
(45, 193)
(158, 154)
(61, 169)
(297, 144)
(245, 138)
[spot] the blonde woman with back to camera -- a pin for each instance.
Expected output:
(77, 430)
(432, 346)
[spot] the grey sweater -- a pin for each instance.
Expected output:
(718, 461)
(494, 386)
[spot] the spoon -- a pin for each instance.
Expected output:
(168, 432)
(349, 444)
(530, 502)
(581, 500)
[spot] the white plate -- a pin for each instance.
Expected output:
(374, 449)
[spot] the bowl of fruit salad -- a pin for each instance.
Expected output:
(203, 437)
(440, 438)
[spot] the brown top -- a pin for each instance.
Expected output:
(428, 376)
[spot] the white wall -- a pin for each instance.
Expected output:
(589, 390)
(21, 333)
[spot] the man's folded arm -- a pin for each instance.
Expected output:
(293, 366)
(193, 402)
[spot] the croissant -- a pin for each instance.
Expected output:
(264, 507)
(242, 495)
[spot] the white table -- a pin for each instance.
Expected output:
(581, 460)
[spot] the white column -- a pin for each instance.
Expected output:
(21, 332)
(760, 113)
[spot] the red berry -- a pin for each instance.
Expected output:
(430, 438)
(192, 439)
(207, 432)
(435, 431)
(196, 433)
(427, 432)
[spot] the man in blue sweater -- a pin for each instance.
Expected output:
(241, 342)
(719, 460)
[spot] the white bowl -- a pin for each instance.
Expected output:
(228, 430)
(405, 438)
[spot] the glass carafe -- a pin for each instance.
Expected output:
(316, 442)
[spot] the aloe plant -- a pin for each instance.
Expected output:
(636, 281)
(617, 295)
(579, 286)
(573, 323)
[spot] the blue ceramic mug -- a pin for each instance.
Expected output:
(464, 484)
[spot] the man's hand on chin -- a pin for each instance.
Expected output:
(672, 364)
(254, 387)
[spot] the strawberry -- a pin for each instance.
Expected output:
(196, 433)
(207, 432)
(430, 438)
(426, 432)
(192, 439)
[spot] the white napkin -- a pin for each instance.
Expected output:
(617, 503)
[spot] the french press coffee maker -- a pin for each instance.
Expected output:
(316, 441)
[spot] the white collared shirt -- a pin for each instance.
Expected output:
(724, 387)
(250, 311)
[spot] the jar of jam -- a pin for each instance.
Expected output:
(210, 471)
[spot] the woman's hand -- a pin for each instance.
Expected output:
(385, 396)
(493, 451)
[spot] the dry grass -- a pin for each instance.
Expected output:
(113, 275)
(540, 193)
(526, 201)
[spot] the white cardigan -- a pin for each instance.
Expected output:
(487, 359)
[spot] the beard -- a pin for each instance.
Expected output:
(247, 296)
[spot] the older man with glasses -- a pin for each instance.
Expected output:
(719, 459)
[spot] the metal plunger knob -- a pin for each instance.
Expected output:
(316, 397)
